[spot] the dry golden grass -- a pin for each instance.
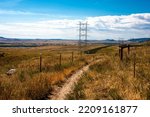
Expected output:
(114, 80)
(28, 82)
(109, 79)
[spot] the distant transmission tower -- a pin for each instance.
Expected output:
(82, 34)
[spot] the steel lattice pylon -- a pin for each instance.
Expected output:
(82, 35)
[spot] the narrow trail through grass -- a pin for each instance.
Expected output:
(62, 92)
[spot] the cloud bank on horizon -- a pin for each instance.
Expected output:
(100, 27)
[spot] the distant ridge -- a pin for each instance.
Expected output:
(105, 41)
(139, 40)
(2, 38)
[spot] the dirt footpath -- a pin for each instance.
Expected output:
(61, 93)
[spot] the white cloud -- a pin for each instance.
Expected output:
(41, 29)
(102, 27)
(120, 22)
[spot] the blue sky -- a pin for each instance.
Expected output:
(104, 16)
(76, 8)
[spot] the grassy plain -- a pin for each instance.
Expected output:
(28, 82)
(112, 79)
(108, 79)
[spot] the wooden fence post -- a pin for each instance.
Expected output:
(40, 62)
(128, 49)
(121, 53)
